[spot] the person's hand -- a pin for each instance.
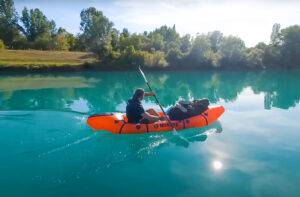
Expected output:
(150, 94)
(163, 118)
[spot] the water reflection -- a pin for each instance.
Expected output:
(258, 153)
(109, 91)
(149, 144)
(217, 165)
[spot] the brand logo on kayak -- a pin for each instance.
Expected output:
(138, 126)
(164, 125)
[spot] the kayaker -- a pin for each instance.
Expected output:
(135, 111)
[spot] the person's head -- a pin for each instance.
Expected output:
(139, 94)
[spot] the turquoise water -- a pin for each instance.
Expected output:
(46, 148)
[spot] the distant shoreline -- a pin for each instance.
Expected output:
(35, 60)
(60, 61)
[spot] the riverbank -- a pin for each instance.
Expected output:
(20, 60)
(43, 61)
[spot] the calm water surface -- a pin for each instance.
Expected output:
(46, 148)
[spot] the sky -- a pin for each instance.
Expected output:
(251, 20)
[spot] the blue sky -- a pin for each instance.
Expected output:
(250, 20)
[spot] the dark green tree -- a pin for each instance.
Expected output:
(97, 32)
(2, 46)
(215, 40)
(170, 37)
(290, 49)
(9, 28)
(231, 49)
(200, 49)
(174, 57)
(156, 42)
(36, 25)
(185, 43)
(275, 35)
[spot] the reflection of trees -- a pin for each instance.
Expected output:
(105, 90)
(281, 88)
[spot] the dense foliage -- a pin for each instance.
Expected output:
(162, 47)
(2, 46)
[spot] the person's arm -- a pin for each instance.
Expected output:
(149, 94)
(150, 117)
(153, 118)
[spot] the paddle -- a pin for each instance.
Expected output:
(158, 103)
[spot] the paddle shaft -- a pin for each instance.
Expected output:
(157, 101)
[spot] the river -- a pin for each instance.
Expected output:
(46, 148)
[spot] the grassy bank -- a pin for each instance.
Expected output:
(44, 60)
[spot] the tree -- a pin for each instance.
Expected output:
(275, 35)
(8, 22)
(136, 40)
(36, 24)
(156, 42)
(290, 48)
(125, 33)
(2, 46)
(198, 54)
(169, 35)
(174, 57)
(61, 43)
(96, 30)
(231, 49)
(63, 40)
(115, 39)
(215, 40)
(20, 42)
(254, 57)
(79, 44)
(43, 42)
(185, 43)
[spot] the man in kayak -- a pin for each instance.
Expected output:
(135, 111)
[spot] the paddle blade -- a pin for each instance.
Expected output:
(143, 74)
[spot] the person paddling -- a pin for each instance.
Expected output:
(135, 111)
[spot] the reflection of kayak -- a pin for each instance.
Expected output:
(116, 122)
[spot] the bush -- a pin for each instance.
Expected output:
(61, 43)
(43, 42)
(155, 59)
(253, 58)
(2, 46)
(20, 42)
(174, 57)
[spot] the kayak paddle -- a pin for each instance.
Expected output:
(158, 103)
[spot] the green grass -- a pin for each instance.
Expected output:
(33, 59)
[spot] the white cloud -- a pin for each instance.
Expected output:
(250, 20)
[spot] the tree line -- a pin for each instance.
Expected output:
(160, 48)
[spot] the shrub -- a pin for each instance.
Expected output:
(155, 59)
(43, 42)
(2, 46)
(20, 42)
(61, 43)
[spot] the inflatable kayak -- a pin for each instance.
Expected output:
(117, 122)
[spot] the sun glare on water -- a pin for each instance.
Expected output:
(217, 165)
